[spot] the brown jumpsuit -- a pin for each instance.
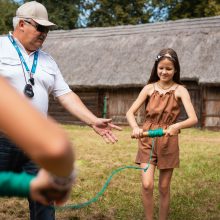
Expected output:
(162, 110)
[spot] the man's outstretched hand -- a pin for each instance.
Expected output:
(104, 127)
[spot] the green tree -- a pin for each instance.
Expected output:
(64, 14)
(7, 12)
(177, 9)
(116, 12)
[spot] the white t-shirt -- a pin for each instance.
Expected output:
(48, 79)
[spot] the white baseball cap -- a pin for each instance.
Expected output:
(35, 11)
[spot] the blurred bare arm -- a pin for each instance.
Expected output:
(42, 139)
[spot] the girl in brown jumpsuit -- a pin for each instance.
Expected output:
(163, 95)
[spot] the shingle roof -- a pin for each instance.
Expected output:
(123, 56)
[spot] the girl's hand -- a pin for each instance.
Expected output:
(137, 132)
(172, 130)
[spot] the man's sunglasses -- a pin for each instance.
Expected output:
(38, 27)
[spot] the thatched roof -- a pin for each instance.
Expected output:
(123, 56)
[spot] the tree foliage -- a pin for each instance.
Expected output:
(64, 14)
(100, 13)
(120, 12)
(177, 9)
(117, 12)
(7, 12)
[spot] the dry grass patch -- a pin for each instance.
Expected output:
(195, 186)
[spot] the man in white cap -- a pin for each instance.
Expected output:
(36, 75)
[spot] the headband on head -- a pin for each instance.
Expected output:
(164, 56)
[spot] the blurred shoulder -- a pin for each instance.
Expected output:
(46, 58)
(4, 41)
(149, 86)
(181, 91)
(46, 55)
(148, 89)
(181, 88)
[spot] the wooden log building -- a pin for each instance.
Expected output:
(107, 67)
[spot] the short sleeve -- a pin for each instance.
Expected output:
(60, 85)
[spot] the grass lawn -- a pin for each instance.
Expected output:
(195, 190)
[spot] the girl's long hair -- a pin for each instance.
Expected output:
(173, 58)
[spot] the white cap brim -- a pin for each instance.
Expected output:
(44, 22)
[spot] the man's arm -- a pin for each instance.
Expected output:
(72, 103)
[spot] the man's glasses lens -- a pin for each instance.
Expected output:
(39, 27)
